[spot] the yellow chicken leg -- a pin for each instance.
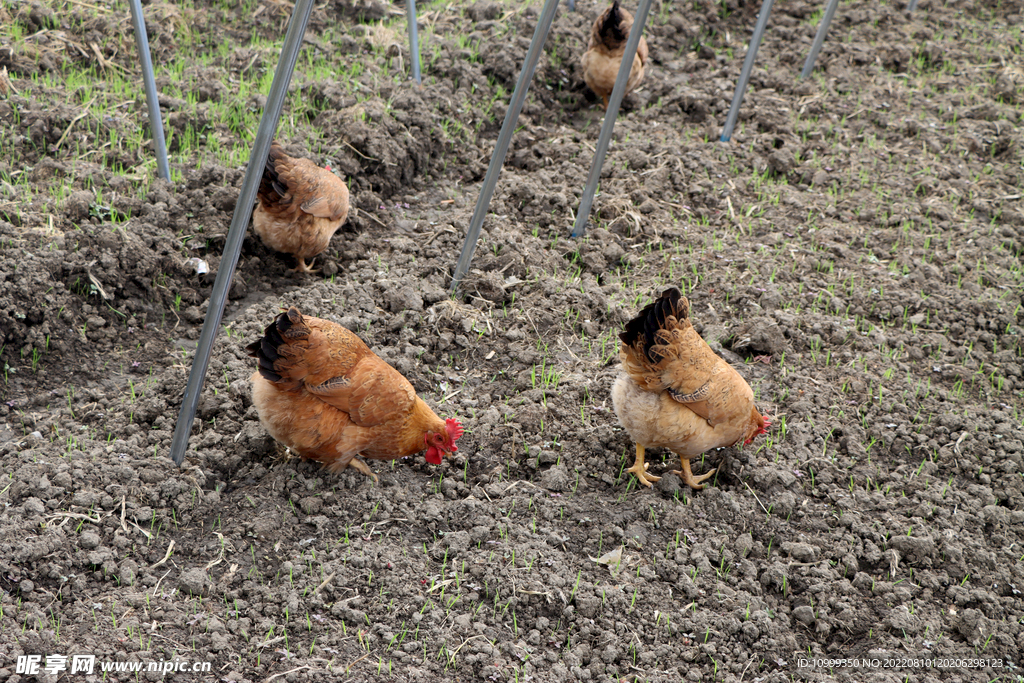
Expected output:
(639, 468)
(341, 464)
(687, 475)
(303, 267)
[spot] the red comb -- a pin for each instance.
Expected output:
(454, 428)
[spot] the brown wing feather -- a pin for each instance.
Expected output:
(371, 393)
(316, 190)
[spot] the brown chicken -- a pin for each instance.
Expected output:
(323, 393)
(604, 53)
(300, 207)
(674, 392)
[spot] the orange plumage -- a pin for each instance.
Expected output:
(674, 392)
(604, 53)
(301, 206)
(323, 393)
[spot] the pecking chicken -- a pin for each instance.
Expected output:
(674, 392)
(604, 53)
(301, 206)
(323, 393)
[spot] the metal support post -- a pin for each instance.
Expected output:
(819, 38)
(748, 66)
(414, 41)
(508, 127)
(156, 124)
(239, 224)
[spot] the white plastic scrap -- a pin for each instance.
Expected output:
(197, 264)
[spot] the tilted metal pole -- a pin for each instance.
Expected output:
(239, 224)
(156, 123)
(540, 35)
(748, 65)
(819, 38)
(912, 6)
(604, 138)
(414, 41)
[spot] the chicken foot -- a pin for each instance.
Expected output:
(342, 463)
(639, 468)
(687, 475)
(303, 267)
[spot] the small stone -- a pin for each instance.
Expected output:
(555, 479)
(802, 552)
(77, 205)
(193, 582)
(219, 642)
(743, 544)
(668, 485)
(588, 606)
(311, 505)
(404, 299)
(804, 614)
(89, 540)
(781, 161)
(900, 620)
(128, 570)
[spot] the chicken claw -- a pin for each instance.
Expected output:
(303, 267)
(342, 464)
(687, 475)
(639, 468)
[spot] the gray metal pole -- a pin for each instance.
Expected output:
(912, 6)
(604, 138)
(540, 36)
(414, 41)
(239, 224)
(819, 38)
(748, 65)
(156, 124)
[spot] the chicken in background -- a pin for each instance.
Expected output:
(322, 392)
(604, 53)
(301, 206)
(673, 391)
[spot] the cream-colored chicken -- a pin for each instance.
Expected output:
(675, 393)
(604, 53)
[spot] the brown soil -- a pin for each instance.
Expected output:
(855, 251)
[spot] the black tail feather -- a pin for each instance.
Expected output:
(265, 348)
(270, 183)
(651, 319)
(611, 28)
